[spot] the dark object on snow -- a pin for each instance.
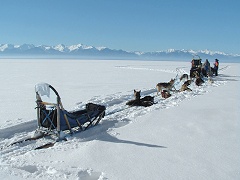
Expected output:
(199, 81)
(50, 144)
(196, 62)
(206, 70)
(138, 101)
(215, 68)
(185, 86)
(54, 119)
(184, 76)
(188, 82)
(196, 66)
(193, 72)
(165, 94)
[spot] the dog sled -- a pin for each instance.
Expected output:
(52, 118)
(196, 62)
(196, 66)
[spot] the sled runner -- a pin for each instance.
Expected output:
(54, 119)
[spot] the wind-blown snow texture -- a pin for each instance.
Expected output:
(191, 135)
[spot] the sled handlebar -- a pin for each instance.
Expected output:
(47, 103)
(54, 90)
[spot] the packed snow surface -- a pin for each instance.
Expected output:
(191, 135)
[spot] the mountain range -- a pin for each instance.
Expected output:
(84, 51)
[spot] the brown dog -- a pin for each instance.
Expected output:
(184, 76)
(165, 86)
(185, 88)
(199, 81)
(165, 94)
(138, 101)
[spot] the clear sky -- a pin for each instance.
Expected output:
(132, 25)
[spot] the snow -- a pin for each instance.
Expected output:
(60, 47)
(101, 48)
(191, 135)
(5, 46)
(79, 46)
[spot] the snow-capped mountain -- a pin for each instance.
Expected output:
(81, 50)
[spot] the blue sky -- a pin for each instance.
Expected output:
(132, 25)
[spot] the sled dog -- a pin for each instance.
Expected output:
(165, 86)
(199, 81)
(193, 72)
(138, 101)
(184, 76)
(165, 94)
(137, 95)
(188, 82)
(185, 86)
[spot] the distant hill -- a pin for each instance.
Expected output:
(84, 51)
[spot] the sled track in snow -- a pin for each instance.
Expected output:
(118, 114)
(117, 111)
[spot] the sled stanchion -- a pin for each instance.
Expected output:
(79, 124)
(66, 119)
(38, 100)
(90, 121)
(99, 118)
(58, 120)
(64, 115)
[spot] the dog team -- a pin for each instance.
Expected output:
(196, 75)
